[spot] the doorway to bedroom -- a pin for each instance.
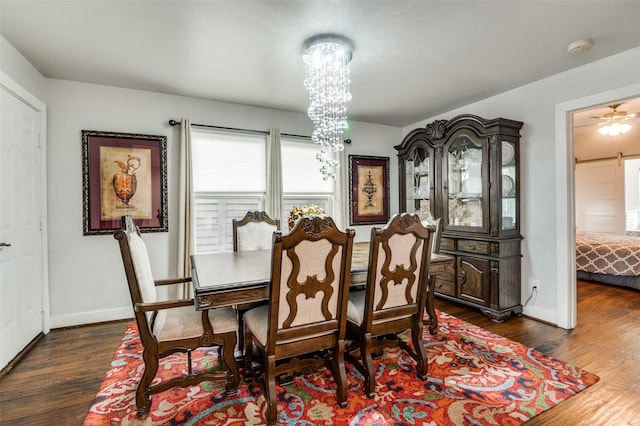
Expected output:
(606, 179)
(606, 185)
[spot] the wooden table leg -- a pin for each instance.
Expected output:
(431, 311)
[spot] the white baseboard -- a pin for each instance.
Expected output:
(541, 314)
(82, 318)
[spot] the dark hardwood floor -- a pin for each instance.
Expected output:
(56, 381)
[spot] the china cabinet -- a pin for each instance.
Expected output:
(466, 171)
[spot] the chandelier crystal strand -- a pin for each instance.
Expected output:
(327, 80)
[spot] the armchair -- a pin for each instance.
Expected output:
(168, 327)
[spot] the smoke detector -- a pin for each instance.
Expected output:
(579, 46)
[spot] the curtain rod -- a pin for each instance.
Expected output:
(261, 132)
(619, 157)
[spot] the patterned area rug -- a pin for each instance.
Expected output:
(475, 378)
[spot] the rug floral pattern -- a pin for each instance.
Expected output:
(475, 378)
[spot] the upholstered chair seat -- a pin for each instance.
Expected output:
(186, 322)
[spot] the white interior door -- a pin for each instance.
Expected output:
(22, 253)
(600, 197)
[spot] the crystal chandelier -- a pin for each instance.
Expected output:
(326, 59)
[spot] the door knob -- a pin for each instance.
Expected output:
(5, 245)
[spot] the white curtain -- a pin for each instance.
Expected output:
(273, 202)
(339, 193)
(186, 209)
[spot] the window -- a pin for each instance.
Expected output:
(229, 179)
(632, 196)
(302, 182)
(229, 172)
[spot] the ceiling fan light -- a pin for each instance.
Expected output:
(614, 129)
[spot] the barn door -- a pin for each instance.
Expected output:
(600, 197)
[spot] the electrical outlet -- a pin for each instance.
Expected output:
(535, 284)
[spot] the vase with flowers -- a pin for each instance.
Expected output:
(298, 212)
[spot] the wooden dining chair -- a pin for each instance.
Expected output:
(171, 326)
(254, 231)
(437, 224)
(394, 298)
(310, 278)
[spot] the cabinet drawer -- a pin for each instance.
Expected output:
(447, 244)
(480, 247)
(445, 287)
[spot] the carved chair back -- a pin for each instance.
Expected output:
(437, 224)
(309, 288)
(142, 287)
(254, 231)
(398, 271)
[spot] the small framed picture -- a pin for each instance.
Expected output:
(369, 190)
(124, 174)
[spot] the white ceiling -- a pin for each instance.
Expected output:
(590, 144)
(592, 117)
(412, 59)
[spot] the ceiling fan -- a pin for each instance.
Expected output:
(615, 114)
(614, 122)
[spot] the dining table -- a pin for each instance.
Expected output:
(243, 277)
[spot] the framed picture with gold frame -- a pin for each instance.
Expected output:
(368, 190)
(124, 174)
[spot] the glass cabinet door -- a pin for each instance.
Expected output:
(419, 178)
(465, 159)
(508, 185)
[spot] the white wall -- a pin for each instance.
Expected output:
(86, 278)
(21, 71)
(591, 145)
(85, 272)
(535, 105)
(367, 139)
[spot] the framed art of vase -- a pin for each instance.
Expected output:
(368, 190)
(124, 174)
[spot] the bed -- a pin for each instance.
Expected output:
(608, 258)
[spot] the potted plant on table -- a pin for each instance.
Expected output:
(298, 212)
